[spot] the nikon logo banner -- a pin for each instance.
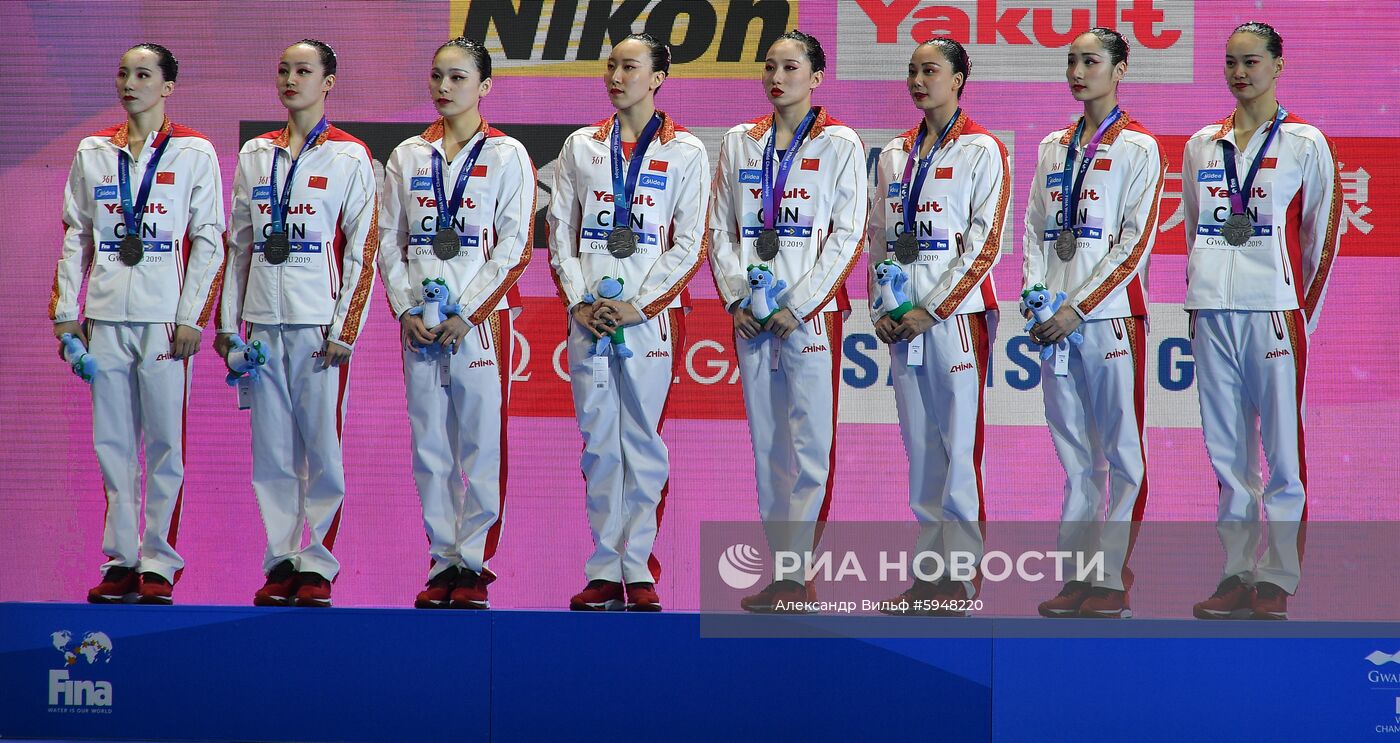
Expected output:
(570, 38)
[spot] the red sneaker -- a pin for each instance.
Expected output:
(642, 597)
(922, 592)
(314, 590)
(1232, 600)
(439, 590)
(155, 589)
(1106, 603)
(1067, 603)
(1270, 602)
(280, 587)
(118, 584)
(598, 595)
(470, 592)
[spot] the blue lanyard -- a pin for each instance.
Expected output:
(278, 207)
(773, 192)
(624, 188)
(132, 214)
(911, 192)
(447, 210)
(1070, 192)
(1239, 197)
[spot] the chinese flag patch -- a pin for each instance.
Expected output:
(1268, 162)
(1103, 165)
(165, 177)
(479, 171)
(657, 165)
(810, 163)
(942, 174)
(316, 181)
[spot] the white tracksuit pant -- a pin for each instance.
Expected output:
(792, 421)
(1096, 417)
(1250, 372)
(940, 419)
(626, 466)
(459, 430)
(298, 474)
(139, 396)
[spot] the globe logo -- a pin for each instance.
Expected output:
(740, 566)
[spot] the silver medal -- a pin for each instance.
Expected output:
(767, 245)
(1237, 229)
(622, 242)
(1066, 245)
(446, 244)
(906, 248)
(277, 248)
(131, 250)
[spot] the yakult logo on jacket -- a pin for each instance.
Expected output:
(639, 199)
(1020, 41)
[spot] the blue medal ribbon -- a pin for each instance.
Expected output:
(1239, 197)
(133, 214)
(278, 207)
(623, 188)
(447, 210)
(912, 191)
(1070, 193)
(773, 192)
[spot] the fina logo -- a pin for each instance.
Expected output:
(94, 647)
(740, 566)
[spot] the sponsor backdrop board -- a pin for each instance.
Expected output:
(549, 61)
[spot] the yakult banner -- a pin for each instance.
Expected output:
(1015, 40)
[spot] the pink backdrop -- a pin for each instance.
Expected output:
(1340, 75)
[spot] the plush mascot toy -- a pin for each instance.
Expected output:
(1037, 299)
(244, 359)
(892, 279)
(609, 288)
(435, 308)
(79, 360)
(762, 301)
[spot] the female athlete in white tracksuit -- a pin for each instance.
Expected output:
(148, 299)
(467, 181)
(1090, 225)
(789, 212)
(626, 221)
(300, 270)
(946, 183)
(1262, 197)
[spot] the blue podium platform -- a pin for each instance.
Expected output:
(227, 673)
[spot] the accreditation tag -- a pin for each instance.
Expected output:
(600, 372)
(775, 345)
(916, 351)
(1062, 359)
(245, 393)
(444, 368)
